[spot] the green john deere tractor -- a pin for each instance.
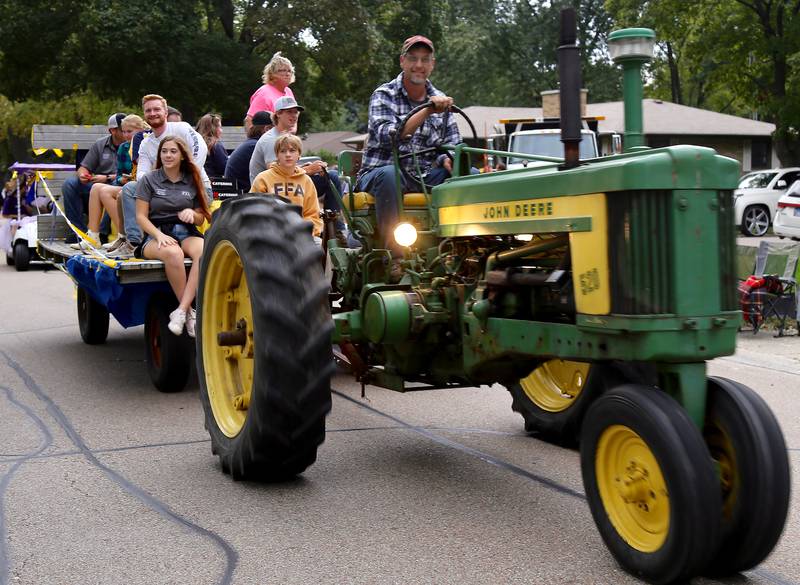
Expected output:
(595, 291)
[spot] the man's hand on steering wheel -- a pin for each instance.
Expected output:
(440, 103)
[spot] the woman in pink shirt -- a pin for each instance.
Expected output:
(278, 76)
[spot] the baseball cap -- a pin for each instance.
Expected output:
(416, 40)
(285, 102)
(115, 121)
(262, 118)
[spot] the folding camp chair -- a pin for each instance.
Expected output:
(766, 294)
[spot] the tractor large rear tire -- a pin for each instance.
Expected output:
(265, 389)
(746, 441)
(651, 484)
(554, 398)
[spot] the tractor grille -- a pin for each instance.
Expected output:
(639, 232)
(727, 255)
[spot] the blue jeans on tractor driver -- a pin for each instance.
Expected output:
(380, 183)
(75, 196)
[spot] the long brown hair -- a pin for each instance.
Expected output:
(207, 127)
(187, 168)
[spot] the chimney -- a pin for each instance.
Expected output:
(551, 107)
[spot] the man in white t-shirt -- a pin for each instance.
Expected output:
(155, 114)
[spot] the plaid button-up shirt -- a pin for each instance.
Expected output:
(388, 106)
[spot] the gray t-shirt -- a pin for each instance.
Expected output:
(102, 157)
(264, 153)
(166, 198)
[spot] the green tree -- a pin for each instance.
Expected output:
(734, 56)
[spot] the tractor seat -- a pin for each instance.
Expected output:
(363, 200)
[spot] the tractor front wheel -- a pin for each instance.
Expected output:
(553, 398)
(744, 438)
(264, 354)
(650, 483)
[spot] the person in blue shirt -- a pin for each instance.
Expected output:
(238, 166)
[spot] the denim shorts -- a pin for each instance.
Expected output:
(179, 231)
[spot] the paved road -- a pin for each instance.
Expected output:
(105, 481)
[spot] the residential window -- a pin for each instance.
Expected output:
(760, 154)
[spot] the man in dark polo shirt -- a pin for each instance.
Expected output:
(98, 166)
(238, 166)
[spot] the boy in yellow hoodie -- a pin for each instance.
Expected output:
(287, 179)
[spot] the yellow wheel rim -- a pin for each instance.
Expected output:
(632, 488)
(555, 384)
(228, 368)
(722, 451)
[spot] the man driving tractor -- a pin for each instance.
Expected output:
(428, 128)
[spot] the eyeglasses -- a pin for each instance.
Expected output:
(413, 59)
(289, 71)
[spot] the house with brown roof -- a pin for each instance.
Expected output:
(665, 124)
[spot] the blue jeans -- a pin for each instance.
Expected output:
(380, 183)
(75, 197)
(325, 191)
(132, 230)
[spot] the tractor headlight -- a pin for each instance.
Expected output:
(405, 234)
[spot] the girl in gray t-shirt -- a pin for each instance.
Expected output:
(170, 204)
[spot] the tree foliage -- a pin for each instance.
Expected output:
(734, 56)
(737, 56)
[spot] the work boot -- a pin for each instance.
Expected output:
(396, 272)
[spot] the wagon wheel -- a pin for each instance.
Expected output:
(169, 356)
(746, 441)
(264, 354)
(553, 398)
(650, 483)
(92, 318)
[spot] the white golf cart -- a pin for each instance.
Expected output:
(19, 237)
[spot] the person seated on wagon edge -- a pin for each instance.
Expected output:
(170, 204)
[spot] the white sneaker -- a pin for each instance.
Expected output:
(124, 252)
(111, 246)
(177, 319)
(85, 245)
(191, 319)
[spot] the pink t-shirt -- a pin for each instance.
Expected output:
(264, 98)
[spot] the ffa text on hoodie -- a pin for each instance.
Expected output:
(296, 186)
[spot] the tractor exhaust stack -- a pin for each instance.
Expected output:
(569, 73)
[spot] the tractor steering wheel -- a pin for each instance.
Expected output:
(399, 133)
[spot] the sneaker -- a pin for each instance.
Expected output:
(191, 319)
(111, 246)
(177, 319)
(84, 246)
(124, 251)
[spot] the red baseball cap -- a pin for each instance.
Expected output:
(416, 40)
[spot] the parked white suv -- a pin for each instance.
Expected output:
(787, 220)
(756, 198)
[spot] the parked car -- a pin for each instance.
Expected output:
(787, 218)
(756, 198)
